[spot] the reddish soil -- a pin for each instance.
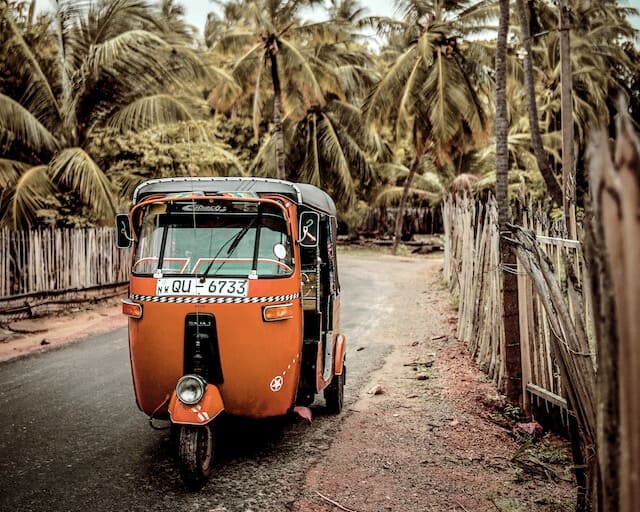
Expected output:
(434, 439)
(27, 336)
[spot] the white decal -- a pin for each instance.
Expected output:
(276, 383)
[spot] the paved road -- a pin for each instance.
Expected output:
(72, 439)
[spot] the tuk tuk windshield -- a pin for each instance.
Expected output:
(236, 239)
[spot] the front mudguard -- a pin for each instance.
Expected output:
(341, 349)
(203, 412)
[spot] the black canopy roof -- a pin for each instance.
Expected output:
(301, 193)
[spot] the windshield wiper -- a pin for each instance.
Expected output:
(233, 241)
(240, 235)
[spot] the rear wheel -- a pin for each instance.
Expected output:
(195, 454)
(334, 393)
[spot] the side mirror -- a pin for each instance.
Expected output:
(309, 229)
(123, 231)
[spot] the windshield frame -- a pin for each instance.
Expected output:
(277, 212)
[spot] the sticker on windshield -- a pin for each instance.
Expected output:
(280, 251)
(210, 287)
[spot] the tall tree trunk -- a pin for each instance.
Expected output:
(502, 122)
(277, 115)
(397, 235)
(510, 317)
(566, 84)
(534, 127)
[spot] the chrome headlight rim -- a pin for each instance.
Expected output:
(197, 384)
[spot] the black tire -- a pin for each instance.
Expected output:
(195, 454)
(334, 393)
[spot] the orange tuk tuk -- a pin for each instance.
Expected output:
(234, 304)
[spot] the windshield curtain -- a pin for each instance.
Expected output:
(216, 243)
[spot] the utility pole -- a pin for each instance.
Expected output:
(566, 101)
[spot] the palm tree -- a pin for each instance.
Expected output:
(437, 87)
(269, 34)
(599, 77)
(536, 140)
(332, 148)
(115, 67)
(173, 14)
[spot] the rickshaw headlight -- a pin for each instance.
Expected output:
(190, 389)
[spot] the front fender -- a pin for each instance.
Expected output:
(341, 347)
(203, 412)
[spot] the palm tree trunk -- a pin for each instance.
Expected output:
(510, 315)
(403, 201)
(278, 134)
(536, 139)
(566, 84)
(502, 123)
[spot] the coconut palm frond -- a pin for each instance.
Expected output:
(225, 91)
(479, 14)
(391, 197)
(429, 181)
(444, 98)
(292, 59)
(10, 172)
(139, 48)
(383, 98)
(404, 109)
(39, 94)
(350, 119)
(27, 197)
(74, 168)
(108, 19)
(488, 181)
(264, 163)
(235, 42)
(356, 80)
(19, 121)
(383, 25)
(248, 64)
(320, 31)
(339, 157)
(149, 111)
(310, 169)
(392, 171)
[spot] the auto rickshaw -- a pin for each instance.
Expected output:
(234, 304)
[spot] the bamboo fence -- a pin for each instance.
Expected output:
(472, 269)
(472, 260)
(60, 260)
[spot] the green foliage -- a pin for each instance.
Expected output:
(179, 149)
(135, 97)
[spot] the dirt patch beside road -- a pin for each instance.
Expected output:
(27, 336)
(428, 442)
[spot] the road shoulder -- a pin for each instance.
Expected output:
(24, 337)
(421, 435)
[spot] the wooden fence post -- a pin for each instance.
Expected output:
(616, 202)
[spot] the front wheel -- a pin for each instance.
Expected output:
(334, 393)
(195, 454)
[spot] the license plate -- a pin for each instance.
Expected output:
(208, 287)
